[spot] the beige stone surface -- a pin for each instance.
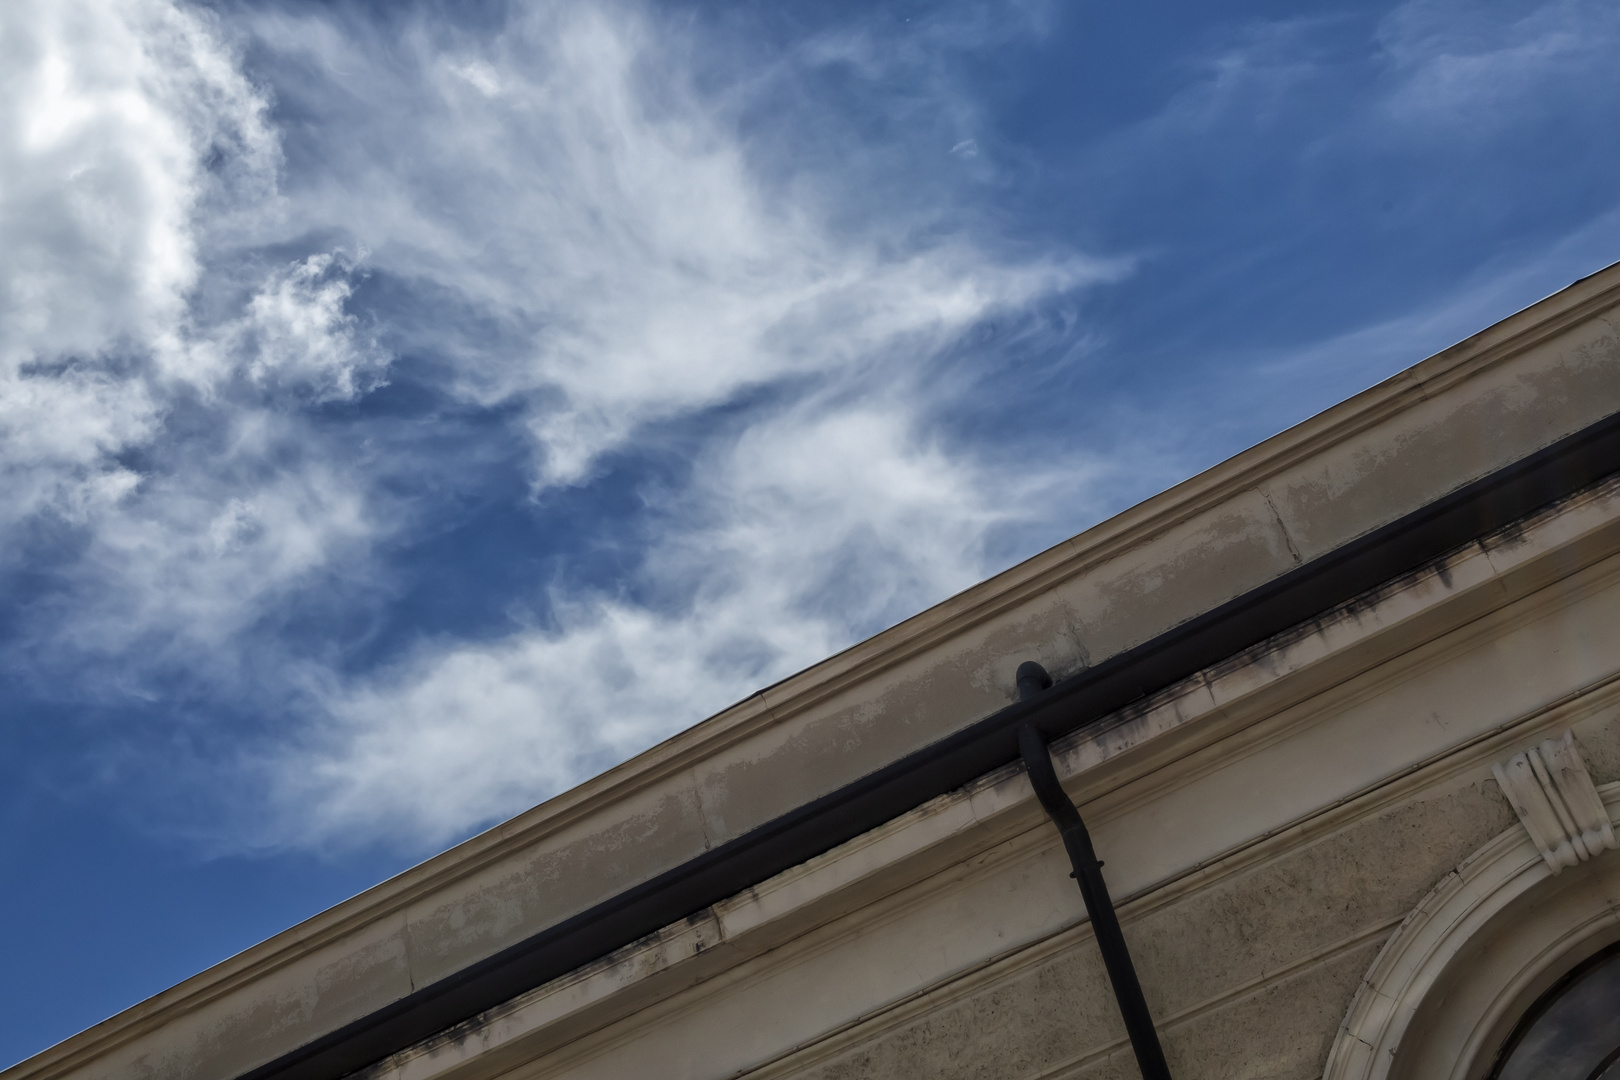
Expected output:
(1249, 975)
(1195, 565)
(650, 832)
(1510, 409)
(1310, 880)
(891, 713)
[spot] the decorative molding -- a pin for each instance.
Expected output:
(1470, 906)
(1551, 790)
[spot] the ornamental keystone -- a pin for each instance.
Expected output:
(1551, 790)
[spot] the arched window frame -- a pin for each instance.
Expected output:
(1450, 985)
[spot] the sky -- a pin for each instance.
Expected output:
(410, 410)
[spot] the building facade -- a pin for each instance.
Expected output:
(1342, 715)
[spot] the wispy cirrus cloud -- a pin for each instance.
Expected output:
(581, 196)
(1490, 69)
(566, 239)
(304, 290)
(106, 115)
(644, 270)
(131, 142)
(824, 523)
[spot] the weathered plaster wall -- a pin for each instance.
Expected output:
(1249, 977)
(1249, 970)
(1262, 872)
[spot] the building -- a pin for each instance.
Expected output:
(1342, 715)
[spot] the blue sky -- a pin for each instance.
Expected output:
(410, 410)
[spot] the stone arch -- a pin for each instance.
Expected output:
(1448, 986)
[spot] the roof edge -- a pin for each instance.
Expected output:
(1493, 502)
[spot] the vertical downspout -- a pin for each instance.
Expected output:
(1032, 679)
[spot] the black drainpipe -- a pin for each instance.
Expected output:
(1032, 679)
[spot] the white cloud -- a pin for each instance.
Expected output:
(107, 112)
(567, 180)
(607, 253)
(564, 181)
(179, 575)
(822, 524)
(299, 333)
(130, 142)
